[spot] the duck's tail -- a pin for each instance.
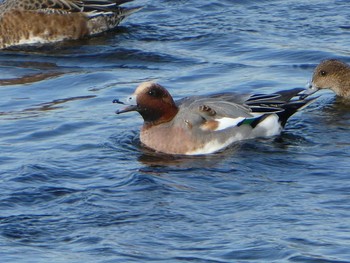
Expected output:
(95, 8)
(106, 14)
(283, 103)
(294, 101)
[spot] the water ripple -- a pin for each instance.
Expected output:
(79, 186)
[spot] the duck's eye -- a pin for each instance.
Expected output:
(323, 73)
(151, 93)
(154, 93)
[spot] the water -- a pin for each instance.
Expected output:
(77, 186)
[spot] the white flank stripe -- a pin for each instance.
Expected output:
(270, 126)
(37, 39)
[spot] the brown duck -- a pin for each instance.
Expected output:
(48, 21)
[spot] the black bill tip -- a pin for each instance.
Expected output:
(117, 101)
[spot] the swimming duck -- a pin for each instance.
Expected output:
(331, 74)
(46, 21)
(205, 124)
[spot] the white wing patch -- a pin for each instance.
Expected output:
(269, 126)
(224, 123)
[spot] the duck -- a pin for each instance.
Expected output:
(205, 124)
(331, 74)
(30, 22)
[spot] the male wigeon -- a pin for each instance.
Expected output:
(46, 21)
(331, 74)
(206, 124)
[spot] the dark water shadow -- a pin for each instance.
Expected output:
(155, 159)
(341, 105)
(333, 111)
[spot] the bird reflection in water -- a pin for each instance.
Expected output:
(47, 71)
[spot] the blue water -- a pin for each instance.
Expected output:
(77, 186)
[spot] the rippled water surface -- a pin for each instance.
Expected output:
(77, 186)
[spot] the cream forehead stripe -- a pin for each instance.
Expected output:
(143, 86)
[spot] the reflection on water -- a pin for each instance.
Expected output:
(28, 64)
(45, 69)
(53, 105)
(151, 158)
(26, 79)
(42, 107)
